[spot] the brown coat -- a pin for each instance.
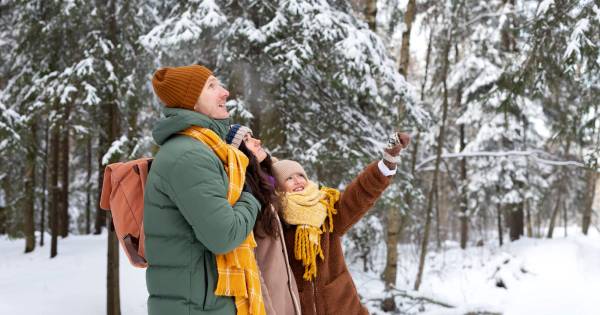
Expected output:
(333, 291)
(278, 285)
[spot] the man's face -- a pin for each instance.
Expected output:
(294, 183)
(211, 101)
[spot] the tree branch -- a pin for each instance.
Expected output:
(406, 294)
(531, 154)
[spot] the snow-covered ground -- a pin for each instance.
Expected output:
(559, 276)
(72, 283)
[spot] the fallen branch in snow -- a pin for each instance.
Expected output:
(396, 292)
(531, 154)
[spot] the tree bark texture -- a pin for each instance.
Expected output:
(439, 149)
(30, 170)
(464, 221)
(44, 184)
(409, 17)
(64, 169)
(371, 14)
(589, 202)
(54, 193)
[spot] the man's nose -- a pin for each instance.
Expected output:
(225, 93)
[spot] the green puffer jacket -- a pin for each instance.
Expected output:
(187, 219)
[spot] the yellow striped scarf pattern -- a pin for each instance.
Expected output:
(238, 272)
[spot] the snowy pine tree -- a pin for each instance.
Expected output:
(331, 97)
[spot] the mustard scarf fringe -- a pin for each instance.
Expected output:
(309, 210)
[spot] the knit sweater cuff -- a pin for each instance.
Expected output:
(385, 170)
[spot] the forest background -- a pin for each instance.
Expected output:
(501, 99)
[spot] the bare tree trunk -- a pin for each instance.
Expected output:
(113, 298)
(409, 17)
(596, 199)
(64, 167)
(525, 199)
(371, 14)
(485, 227)
(438, 160)
(499, 223)
(529, 223)
(426, 231)
(396, 220)
(443, 205)
(592, 183)
(44, 184)
(516, 227)
(436, 195)
(6, 209)
(589, 201)
(394, 223)
(113, 304)
(514, 213)
(509, 33)
(555, 211)
(28, 218)
(54, 194)
(565, 217)
(88, 190)
(100, 217)
(559, 195)
(464, 203)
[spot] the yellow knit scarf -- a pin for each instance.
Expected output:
(238, 272)
(308, 210)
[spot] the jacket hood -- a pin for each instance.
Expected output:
(178, 119)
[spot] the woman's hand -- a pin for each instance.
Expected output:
(397, 142)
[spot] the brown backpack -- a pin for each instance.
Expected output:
(123, 195)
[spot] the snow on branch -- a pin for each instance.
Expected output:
(116, 148)
(531, 154)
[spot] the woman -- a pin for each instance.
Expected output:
(280, 292)
(315, 221)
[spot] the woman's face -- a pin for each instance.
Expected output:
(294, 183)
(254, 146)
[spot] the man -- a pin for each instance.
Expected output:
(189, 218)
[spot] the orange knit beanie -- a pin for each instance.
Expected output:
(180, 86)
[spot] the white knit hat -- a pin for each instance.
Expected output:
(286, 168)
